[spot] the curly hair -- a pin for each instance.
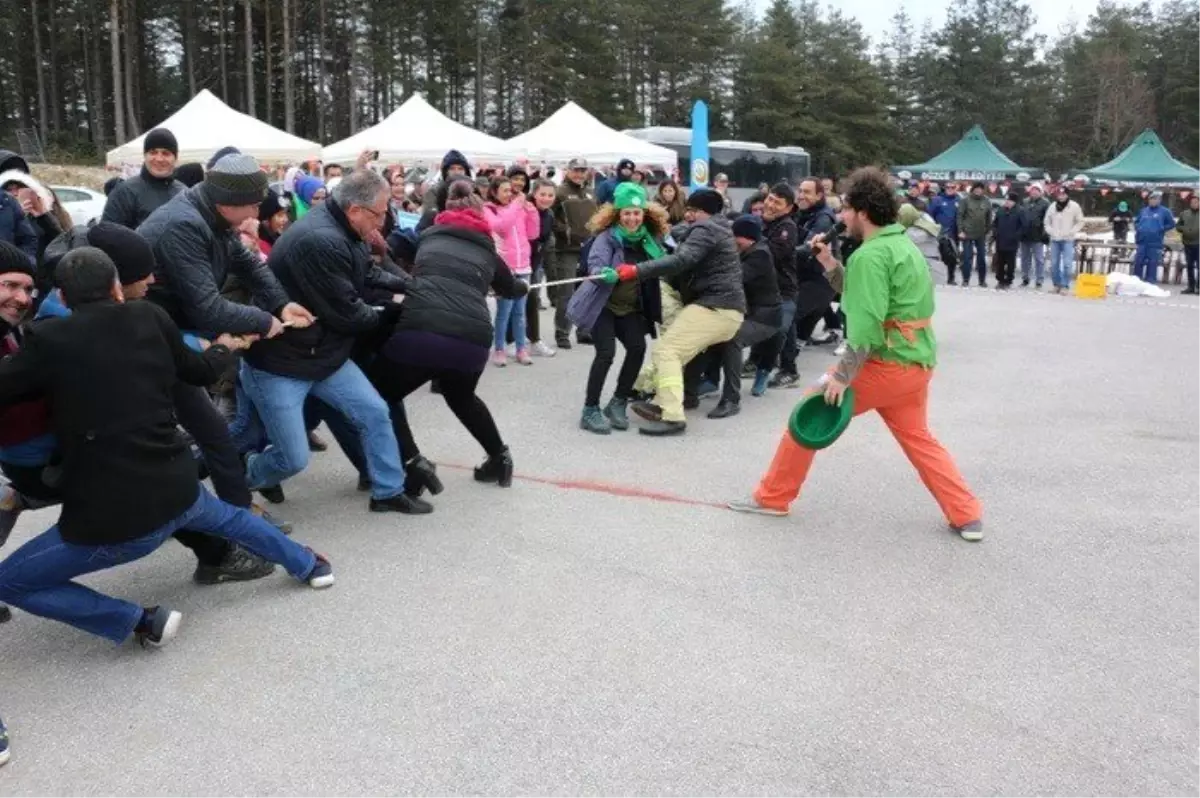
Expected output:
(607, 216)
(869, 191)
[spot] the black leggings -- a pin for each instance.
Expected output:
(631, 331)
(395, 381)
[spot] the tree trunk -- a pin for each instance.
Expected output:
(249, 61)
(321, 71)
(96, 104)
(130, 114)
(114, 18)
(221, 50)
(39, 69)
(56, 109)
(267, 87)
(289, 90)
(352, 82)
(189, 47)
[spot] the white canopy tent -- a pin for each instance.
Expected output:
(572, 132)
(416, 131)
(206, 124)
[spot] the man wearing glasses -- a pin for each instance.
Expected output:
(324, 262)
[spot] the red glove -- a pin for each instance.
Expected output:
(627, 272)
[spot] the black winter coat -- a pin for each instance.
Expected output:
(1009, 227)
(782, 237)
(811, 222)
(447, 295)
(108, 371)
(195, 251)
(759, 278)
(133, 200)
(322, 263)
(706, 265)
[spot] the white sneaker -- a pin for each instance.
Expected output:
(751, 505)
(841, 350)
(541, 349)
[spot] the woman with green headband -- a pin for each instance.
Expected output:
(630, 229)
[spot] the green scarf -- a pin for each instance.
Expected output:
(640, 237)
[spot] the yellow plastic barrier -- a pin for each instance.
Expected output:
(1091, 286)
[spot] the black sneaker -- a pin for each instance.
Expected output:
(273, 495)
(691, 402)
(725, 409)
(784, 379)
(830, 337)
(647, 410)
(662, 429)
(749, 371)
(5, 613)
(158, 626)
(496, 469)
(421, 475)
(562, 343)
(435, 386)
(322, 573)
(239, 565)
(1025, 282)
(584, 339)
(364, 484)
(402, 503)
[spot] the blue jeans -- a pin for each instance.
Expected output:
(280, 404)
(1033, 253)
(783, 343)
(1146, 258)
(510, 310)
(978, 248)
(37, 577)
(1062, 263)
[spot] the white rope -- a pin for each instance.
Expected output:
(571, 281)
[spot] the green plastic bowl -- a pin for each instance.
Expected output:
(814, 424)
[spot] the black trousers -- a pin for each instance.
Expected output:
(199, 416)
(1006, 267)
(395, 381)
(631, 331)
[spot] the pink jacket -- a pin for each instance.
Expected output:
(514, 226)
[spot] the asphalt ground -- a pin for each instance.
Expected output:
(568, 636)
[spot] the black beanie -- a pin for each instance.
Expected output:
(270, 206)
(14, 260)
(748, 226)
(626, 164)
(221, 153)
(236, 180)
(130, 252)
(112, 183)
(452, 158)
(190, 174)
(707, 200)
(160, 139)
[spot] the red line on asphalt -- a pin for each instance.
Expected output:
(593, 486)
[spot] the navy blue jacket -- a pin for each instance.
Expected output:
(15, 227)
(944, 210)
(1009, 227)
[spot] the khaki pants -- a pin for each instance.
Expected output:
(670, 309)
(695, 329)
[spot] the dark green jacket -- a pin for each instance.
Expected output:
(975, 217)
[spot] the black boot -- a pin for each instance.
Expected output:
(498, 468)
(421, 475)
(401, 504)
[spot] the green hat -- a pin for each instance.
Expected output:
(908, 215)
(815, 424)
(629, 195)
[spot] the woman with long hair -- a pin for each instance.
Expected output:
(628, 230)
(514, 223)
(445, 331)
(670, 197)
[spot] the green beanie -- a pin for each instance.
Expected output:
(629, 195)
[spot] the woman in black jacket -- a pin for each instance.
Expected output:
(445, 330)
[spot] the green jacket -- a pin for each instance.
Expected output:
(573, 208)
(975, 216)
(1189, 227)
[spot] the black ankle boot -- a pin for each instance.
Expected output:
(421, 475)
(498, 468)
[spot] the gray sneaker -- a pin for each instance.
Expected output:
(593, 420)
(972, 531)
(751, 505)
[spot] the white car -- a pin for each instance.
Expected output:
(84, 204)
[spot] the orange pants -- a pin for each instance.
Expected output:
(901, 396)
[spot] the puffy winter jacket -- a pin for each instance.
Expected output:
(456, 263)
(1064, 225)
(15, 227)
(1035, 219)
(706, 266)
(1009, 228)
(1152, 225)
(515, 226)
(132, 202)
(782, 236)
(591, 297)
(195, 250)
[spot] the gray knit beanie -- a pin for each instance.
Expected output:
(236, 180)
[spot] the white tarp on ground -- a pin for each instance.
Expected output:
(416, 131)
(1123, 284)
(206, 124)
(572, 132)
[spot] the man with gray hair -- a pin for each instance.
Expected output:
(324, 261)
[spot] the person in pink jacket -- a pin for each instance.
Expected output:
(515, 224)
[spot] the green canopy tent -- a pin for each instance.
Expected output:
(971, 158)
(1145, 162)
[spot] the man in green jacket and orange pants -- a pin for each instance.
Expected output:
(889, 360)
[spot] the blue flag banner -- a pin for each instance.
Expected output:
(699, 165)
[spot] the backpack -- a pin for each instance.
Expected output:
(947, 252)
(581, 269)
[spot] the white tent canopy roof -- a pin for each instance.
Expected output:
(205, 125)
(416, 131)
(572, 132)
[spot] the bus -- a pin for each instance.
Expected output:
(748, 164)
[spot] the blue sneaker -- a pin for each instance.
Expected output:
(321, 576)
(708, 389)
(761, 378)
(3, 743)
